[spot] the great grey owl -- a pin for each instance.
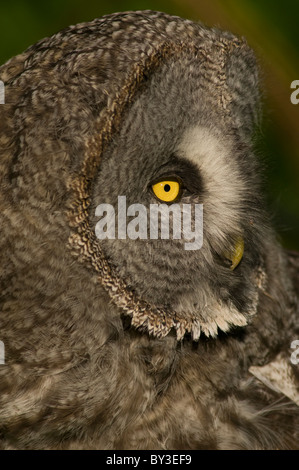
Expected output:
(138, 342)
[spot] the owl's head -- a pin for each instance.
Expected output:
(142, 109)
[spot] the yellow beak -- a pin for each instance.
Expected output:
(236, 256)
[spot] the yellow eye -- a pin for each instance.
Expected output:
(167, 191)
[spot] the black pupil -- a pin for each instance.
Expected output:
(167, 188)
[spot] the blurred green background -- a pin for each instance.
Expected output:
(271, 28)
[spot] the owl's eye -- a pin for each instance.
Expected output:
(167, 190)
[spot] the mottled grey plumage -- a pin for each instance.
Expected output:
(99, 335)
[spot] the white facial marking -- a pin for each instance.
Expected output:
(223, 181)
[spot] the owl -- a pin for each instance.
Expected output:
(119, 332)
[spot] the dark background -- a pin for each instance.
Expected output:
(271, 28)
